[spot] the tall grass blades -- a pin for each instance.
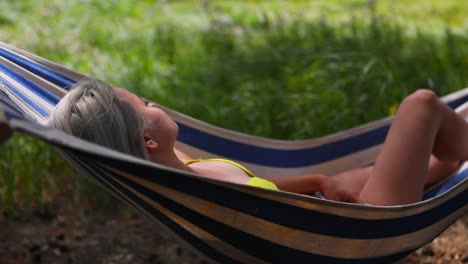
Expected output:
(302, 79)
(289, 70)
(25, 167)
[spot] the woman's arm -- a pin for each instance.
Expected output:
(354, 179)
(331, 187)
(304, 184)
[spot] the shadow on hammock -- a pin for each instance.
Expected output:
(227, 222)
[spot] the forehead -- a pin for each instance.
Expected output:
(125, 95)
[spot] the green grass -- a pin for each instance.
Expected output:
(26, 167)
(290, 70)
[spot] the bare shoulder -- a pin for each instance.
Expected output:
(221, 171)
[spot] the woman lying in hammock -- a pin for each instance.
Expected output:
(426, 142)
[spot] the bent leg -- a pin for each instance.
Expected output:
(422, 125)
(356, 179)
(439, 170)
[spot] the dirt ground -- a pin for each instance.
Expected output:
(71, 236)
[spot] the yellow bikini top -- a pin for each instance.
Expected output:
(254, 181)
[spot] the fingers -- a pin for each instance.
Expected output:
(349, 198)
(341, 195)
(354, 198)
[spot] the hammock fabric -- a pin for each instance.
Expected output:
(227, 222)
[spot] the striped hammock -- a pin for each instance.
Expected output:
(227, 222)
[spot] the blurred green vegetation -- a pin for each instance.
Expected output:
(280, 69)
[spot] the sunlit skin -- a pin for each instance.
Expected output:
(405, 165)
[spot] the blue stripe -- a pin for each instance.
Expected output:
(263, 249)
(5, 100)
(25, 98)
(284, 214)
(232, 149)
(37, 69)
(11, 116)
(258, 247)
(43, 93)
(446, 186)
(278, 157)
(285, 158)
(11, 110)
(458, 102)
(128, 196)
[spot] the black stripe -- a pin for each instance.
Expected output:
(36, 68)
(288, 215)
(241, 202)
(146, 209)
(258, 247)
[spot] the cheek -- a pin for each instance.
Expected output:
(152, 122)
(159, 122)
(152, 118)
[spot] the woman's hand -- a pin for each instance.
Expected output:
(334, 190)
(330, 186)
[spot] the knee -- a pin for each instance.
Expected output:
(422, 99)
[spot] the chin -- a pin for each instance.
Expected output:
(176, 129)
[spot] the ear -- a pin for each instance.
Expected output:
(151, 145)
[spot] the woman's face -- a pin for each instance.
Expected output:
(158, 125)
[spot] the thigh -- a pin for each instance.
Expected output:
(399, 173)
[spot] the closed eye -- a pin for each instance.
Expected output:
(144, 101)
(147, 103)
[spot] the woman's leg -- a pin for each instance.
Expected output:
(439, 170)
(422, 125)
(356, 179)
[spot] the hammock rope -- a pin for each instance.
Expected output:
(231, 223)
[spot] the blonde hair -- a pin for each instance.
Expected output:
(91, 111)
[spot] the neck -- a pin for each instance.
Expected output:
(170, 159)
